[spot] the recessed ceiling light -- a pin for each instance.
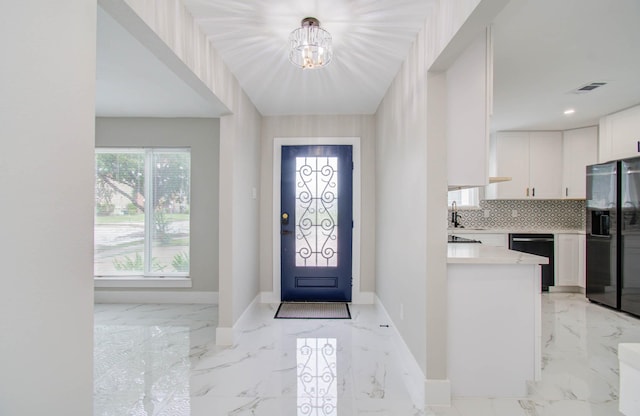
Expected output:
(569, 112)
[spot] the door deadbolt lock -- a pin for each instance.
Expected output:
(285, 219)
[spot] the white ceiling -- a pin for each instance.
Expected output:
(543, 50)
(132, 82)
(371, 38)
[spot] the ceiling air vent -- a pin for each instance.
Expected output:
(588, 87)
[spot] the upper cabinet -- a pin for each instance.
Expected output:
(579, 149)
(469, 90)
(620, 135)
(533, 160)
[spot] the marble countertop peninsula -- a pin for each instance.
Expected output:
(466, 253)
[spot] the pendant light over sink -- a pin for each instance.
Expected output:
(310, 45)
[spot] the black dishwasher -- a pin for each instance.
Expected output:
(538, 244)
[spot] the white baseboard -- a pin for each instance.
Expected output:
(437, 392)
(150, 296)
(142, 282)
(413, 374)
(566, 289)
(359, 298)
(423, 391)
(363, 298)
(226, 335)
(269, 297)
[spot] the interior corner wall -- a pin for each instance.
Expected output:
(202, 136)
(246, 206)
(437, 284)
(401, 203)
(47, 111)
(239, 166)
(362, 126)
(239, 208)
(411, 172)
(411, 248)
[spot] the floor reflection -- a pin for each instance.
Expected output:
(162, 360)
(317, 373)
(142, 363)
(145, 367)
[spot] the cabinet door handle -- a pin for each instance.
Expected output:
(566, 192)
(533, 192)
(527, 191)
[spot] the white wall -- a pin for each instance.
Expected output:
(239, 216)
(362, 126)
(47, 85)
(411, 186)
(401, 203)
(239, 151)
(246, 207)
(202, 135)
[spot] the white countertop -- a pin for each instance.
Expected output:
(513, 230)
(468, 253)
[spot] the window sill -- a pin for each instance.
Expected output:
(133, 282)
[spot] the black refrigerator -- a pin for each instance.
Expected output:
(602, 234)
(613, 234)
(630, 235)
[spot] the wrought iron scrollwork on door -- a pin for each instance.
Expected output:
(316, 211)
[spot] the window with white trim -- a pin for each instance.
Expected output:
(142, 218)
(469, 198)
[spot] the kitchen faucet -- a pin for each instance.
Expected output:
(455, 217)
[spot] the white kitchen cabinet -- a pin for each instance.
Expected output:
(469, 85)
(582, 261)
(511, 159)
(545, 164)
(567, 260)
(620, 135)
(533, 160)
(579, 149)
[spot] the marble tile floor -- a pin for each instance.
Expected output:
(155, 360)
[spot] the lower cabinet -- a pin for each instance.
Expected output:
(569, 255)
(582, 261)
(569, 260)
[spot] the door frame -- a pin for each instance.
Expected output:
(278, 142)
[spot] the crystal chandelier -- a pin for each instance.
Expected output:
(310, 45)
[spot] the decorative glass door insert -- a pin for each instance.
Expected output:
(316, 216)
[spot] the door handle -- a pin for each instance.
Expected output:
(284, 220)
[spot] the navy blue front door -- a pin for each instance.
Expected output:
(316, 223)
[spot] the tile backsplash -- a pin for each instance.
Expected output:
(530, 214)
